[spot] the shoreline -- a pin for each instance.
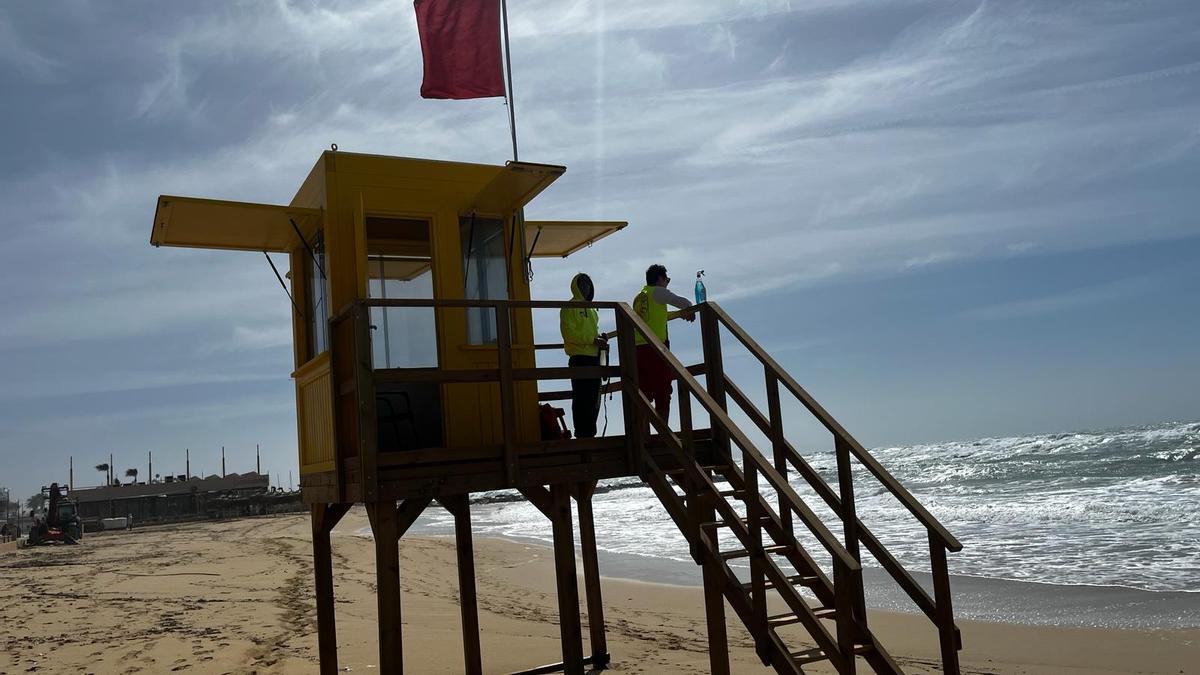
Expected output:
(237, 597)
(1007, 601)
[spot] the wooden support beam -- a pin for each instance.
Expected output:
(459, 506)
(591, 573)
(541, 498)
(385, 529)
(570, 629)
(714, 603)
(408, 512)
(324, 517)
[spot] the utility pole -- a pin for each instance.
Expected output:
(70, 483)
(111, 469)
(149, 467)
(257, 460)
(187, 466)
(222, 461)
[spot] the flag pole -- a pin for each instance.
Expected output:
(519, 218)
(512, 113)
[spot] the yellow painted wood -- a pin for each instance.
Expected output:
(314, 413)
(341, 193)
(210, 223)
(561, 238)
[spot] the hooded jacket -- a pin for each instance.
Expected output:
(580, 327)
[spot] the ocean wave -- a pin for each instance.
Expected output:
(1112, 507)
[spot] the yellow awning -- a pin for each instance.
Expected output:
(561, 238)
(238, 226)
(513, 187)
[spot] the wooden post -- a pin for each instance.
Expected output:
(635, 427)
(568, 591)
(714, 372)
(459, 507)
(948, 635)
(691, 486)
(384, 527)
(714, 606)
(758, 587)
(849, 516)
(591, 575)
(508, 416)
(324, 517)
(778, 444)
(555, 504)
(364, 387)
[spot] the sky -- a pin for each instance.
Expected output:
(948, 219)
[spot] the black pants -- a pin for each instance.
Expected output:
(585, 398)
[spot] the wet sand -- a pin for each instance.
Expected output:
(236, 597)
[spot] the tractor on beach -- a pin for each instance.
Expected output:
(60, 524)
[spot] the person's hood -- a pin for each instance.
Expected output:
(576, 294)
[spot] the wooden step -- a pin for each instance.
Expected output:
(719, 468)
(790, 618)
(725, 523)
(743, 553)
(807, 656)
(795, 580)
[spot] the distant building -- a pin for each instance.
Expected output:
(213, 497)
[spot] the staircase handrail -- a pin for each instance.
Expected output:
(749, 451)
(868, 460)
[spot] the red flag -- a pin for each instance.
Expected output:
(460, 44)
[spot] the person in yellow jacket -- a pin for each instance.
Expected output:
(655, 378)
(582, 341)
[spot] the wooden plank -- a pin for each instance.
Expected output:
(949, 638)
(778, 442)
(570, 630)
(459, 506)
(578, 372)
(323, 576)
(714, 605)
(635, 426)
(508, 416)
(408, 512)
(541, 498)
(384, 528)
(368, 446)
(591, 573)
(849, 516)
(435, 375)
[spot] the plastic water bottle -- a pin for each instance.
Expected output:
(701, 293)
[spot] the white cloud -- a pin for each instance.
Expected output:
(18, 55)
(1054, 303)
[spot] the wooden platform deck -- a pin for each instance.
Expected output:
(442, 472)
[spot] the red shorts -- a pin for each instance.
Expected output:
(655, 377)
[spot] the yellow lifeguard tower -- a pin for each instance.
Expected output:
(417, 380)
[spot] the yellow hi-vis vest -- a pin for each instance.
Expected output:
(652, 312)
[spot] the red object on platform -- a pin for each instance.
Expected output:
(460, 45)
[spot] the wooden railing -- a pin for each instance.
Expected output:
(773, 518)
(361, 383)
(938, 608)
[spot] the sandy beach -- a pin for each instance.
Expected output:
(236, 597)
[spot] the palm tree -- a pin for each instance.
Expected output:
(104, 468)
(131, 473)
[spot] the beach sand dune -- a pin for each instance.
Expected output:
(236, 597)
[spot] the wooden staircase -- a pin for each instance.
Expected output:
(737, 489)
